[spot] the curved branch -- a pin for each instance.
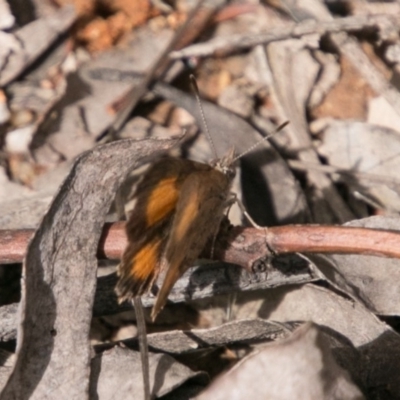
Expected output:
(242, 246)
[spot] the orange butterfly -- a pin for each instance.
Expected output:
(180, 204)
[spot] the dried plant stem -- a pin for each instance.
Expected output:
(232, 248)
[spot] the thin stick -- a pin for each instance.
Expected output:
(143, 346)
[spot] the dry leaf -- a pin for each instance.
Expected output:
(82, 114)
(117, 374)
(295, 72)
(373, 280)
(360, 147)
(382, 113)
(32, 40)
(299, 367)
(338, 103)
(377, 344)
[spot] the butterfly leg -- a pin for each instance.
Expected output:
(214, 238)
(143, 345)
(235, 199)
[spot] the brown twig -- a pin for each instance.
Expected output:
(242, 246)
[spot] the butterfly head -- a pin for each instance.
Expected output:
(226, 164)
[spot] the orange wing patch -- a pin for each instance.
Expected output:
(188, 215)
(162, 201)
(145, 260)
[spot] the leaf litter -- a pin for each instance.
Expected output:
(334, 80)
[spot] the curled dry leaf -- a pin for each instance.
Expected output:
(251, 330)
(299, 367)
(59, 275)
(330, 73)
(337, 102)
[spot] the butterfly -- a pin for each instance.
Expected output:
(179, 205)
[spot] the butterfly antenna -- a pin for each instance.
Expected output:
(279, 128)
(203, 118)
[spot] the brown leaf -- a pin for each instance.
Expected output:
(338, 103)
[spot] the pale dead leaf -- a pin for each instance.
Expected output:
(299, 367)
(7, 20)
(32, 40)
(330, 73)
(117, 374)
(83, 113)
(372, 149)
(374, 280)
(377, 343)
(7, 361)
(295, 72)
(382, 113)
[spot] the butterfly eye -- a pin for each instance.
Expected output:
(229, 171)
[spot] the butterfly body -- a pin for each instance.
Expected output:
(180, 204)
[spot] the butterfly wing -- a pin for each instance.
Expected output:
(199, 211)
(148, 225)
